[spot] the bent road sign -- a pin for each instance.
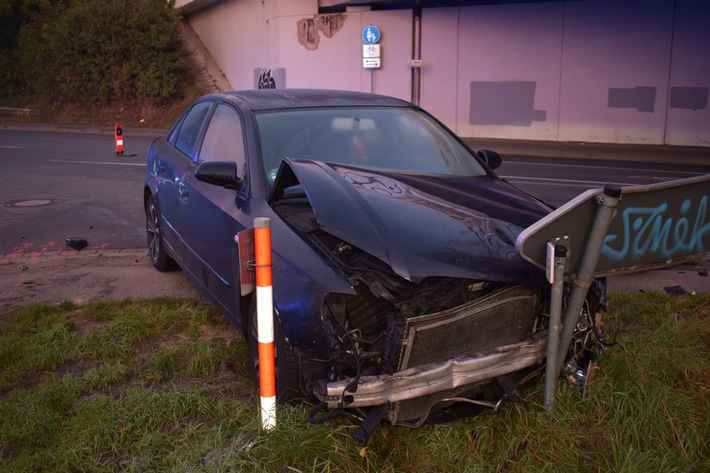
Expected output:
(652, 226)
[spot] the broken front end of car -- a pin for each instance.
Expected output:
(436, 350)
(439, 324)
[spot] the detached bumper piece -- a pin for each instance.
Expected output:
(450, 376)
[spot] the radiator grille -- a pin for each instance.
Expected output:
(502, 318)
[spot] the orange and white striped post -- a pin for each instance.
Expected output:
(265, 322)
(118, 135)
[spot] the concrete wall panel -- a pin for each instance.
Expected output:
(333, 56)
(615, 64)
(237, 37)
(439, 77)
(328, 58)
(688, 120)
(508, 70)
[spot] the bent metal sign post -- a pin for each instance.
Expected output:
(609, 231)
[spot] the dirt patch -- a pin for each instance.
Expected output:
(81, 276)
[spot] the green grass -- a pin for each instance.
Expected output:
(164, 385)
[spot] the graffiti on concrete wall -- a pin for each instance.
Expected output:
(266, 80)
(269, 78)
(310, 29)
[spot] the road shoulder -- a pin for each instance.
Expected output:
(96, 275)
(84, 276)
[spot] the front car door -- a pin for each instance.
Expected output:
(213, 213)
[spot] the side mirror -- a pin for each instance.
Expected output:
(219, 173)
(491, 158)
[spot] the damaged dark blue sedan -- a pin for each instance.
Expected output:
(398, 292)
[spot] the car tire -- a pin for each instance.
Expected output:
(154, 232)
(288, 386)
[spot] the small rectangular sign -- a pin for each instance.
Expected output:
(371, 62)
(370, 50)
(247, 275)
(550, 263)
(551, 260)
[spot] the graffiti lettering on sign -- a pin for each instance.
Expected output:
(651, 226)
(655, 231)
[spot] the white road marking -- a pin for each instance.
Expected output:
(94, 162)
(560, 165)
(560, 182)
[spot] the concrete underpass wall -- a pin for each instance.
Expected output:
(623, 71)
(288, 45)
(235, 33)
(602, 71)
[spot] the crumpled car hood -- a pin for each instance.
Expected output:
(422, 225)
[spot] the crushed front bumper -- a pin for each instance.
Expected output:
(435, 377)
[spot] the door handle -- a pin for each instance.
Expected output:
(183, 191)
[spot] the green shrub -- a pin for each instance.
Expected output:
(95, 52)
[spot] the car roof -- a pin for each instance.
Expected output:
(271, 99)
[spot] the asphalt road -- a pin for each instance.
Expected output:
(558, 172)
(57, 185)
(70, 185)
(558, 182)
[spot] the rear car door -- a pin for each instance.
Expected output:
(213, 213)
(176, 161)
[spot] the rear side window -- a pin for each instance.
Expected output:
(224, 138)
(191, 127)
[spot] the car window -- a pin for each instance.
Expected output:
(224, 138)
(173, 134)
(397, 139)
(189, 132)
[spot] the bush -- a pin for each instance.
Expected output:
(10, 83)
(13, 15)
(95, 52)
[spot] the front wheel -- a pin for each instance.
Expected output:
(288, 387)
(156, 247)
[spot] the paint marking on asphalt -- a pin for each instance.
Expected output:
(11, 147)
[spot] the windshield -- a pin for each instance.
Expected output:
(394, 139)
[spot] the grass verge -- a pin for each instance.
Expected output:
(163, 385)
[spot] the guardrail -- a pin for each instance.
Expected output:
(17, 111)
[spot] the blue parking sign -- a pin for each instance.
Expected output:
(371, 34)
